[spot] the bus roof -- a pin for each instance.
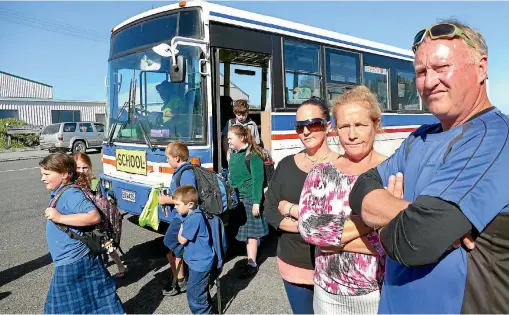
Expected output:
(228, 15)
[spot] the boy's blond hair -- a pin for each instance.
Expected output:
(186, 194)
(177, 149)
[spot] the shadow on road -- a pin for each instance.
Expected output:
(19, 271)
(3, 295)
(150, 258)
(142, 259)
(230, 283)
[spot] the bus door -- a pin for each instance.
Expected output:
(242, 62)
(240, 75)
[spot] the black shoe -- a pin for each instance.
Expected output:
(245, 266)
(248, 272)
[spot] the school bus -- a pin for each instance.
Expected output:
(174, 71)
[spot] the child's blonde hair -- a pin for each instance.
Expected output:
(178, 149)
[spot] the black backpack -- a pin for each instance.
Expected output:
(214, 193)
(268, 166)
(94, 237)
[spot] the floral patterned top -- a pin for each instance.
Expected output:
(324, 208)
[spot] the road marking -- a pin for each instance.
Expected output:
(21, 169)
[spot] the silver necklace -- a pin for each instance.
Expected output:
(320, 159)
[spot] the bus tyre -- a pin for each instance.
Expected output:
(79, 146)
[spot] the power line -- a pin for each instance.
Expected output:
(49, 22)
(51, 26)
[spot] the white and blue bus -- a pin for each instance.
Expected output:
(175, 71)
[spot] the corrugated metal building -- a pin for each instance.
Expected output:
(14, 86)
(42, 112)
(33, 102)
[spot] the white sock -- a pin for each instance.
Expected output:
(252, 264)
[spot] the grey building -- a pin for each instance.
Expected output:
(43, 112)
(33, 102)
(14, 86)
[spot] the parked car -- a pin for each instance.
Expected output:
(72, 136)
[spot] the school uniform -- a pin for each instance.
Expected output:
(80, 283)
(250, 187)
(199, 256)
(171, 237)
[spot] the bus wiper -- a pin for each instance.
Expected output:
(127, 103)
(131, 104)
(144, 133)
(133, 109)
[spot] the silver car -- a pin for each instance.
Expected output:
(72, 136)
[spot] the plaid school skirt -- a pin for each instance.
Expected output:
(83, 287)
(249, 225)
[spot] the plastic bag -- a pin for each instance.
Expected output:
(150, 214)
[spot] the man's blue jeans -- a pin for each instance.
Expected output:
(198, 295)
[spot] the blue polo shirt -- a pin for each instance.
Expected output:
(171, 237)
(469, 167)
(187, 178)
(198, 252)
(63, 249)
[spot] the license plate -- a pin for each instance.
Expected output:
(129, 195)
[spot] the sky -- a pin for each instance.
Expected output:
(66, 44)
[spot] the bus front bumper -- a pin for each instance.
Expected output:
(132, 197)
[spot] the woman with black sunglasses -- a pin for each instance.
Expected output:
(349, 262)
(295, 258)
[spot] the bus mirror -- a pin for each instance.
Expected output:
(178, 70)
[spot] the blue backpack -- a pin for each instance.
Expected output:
(214, 193)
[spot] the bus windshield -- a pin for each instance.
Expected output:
(143, 102)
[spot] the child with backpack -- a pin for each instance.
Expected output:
(177, 154)
(80, 283)
(198, 253)
(90, 182)
(250, 183)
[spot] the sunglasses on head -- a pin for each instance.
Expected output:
(315, 124)
(441, 30)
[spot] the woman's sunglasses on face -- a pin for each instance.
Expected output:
(313, 125)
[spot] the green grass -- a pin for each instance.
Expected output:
(17, 141)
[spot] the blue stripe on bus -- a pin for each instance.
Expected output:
(286, 122)
(158, 154)
(287, 29)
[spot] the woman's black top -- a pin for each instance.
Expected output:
(286, 184)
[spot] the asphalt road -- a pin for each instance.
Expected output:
(26, 268)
